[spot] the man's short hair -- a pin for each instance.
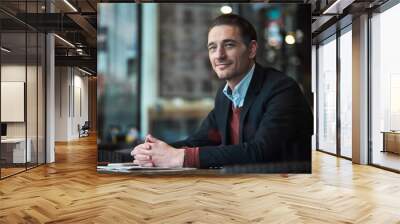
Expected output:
(247, 30)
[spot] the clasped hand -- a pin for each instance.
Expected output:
(155, 152)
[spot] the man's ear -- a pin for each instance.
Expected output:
(253, 49)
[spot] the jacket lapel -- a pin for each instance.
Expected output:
(254, 88)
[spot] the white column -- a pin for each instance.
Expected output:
(50, 99)
(50, 92)
(360, 90)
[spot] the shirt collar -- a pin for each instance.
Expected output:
(239, 92)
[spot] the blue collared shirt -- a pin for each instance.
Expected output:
(239, 92)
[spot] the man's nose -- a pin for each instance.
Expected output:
(221, 52)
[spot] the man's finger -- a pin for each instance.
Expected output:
(145, 145)
(141, 149)
(142, 146)
(142, 152)
(152, 139)
(143, 157)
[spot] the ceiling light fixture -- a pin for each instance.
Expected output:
(84, 71)
(226, 9)
(65, 41)
(289, 39)
(70, 5)
(5, 50)
(337, 7)
(79, 51)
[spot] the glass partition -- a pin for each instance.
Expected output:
(13, 108)
(22, 89)
(327, 95)
(346, 93)
(385, 89)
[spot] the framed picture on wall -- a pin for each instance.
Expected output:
(12, 101)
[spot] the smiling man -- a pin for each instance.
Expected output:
(259, 116)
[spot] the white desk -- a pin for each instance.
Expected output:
(18, 149)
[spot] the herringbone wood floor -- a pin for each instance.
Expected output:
(70, 191)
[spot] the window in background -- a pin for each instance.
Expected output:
(283, 35)
(187, 82)
(327, 95)
(185, 69)
(118, 87)
(346, 93)
(385, 88)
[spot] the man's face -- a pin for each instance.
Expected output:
(229, 56)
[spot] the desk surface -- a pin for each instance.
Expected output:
(390, 132)
(163, 172)
(264, 168)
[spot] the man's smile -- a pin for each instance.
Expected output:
(222, 65)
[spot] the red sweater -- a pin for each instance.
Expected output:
(192, 154)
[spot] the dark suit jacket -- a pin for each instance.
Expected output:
(276, 125)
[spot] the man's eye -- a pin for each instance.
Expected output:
(211, 48)
(229, 45)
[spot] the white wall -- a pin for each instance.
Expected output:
(71, 93)
(79, 117)
(13, 72)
